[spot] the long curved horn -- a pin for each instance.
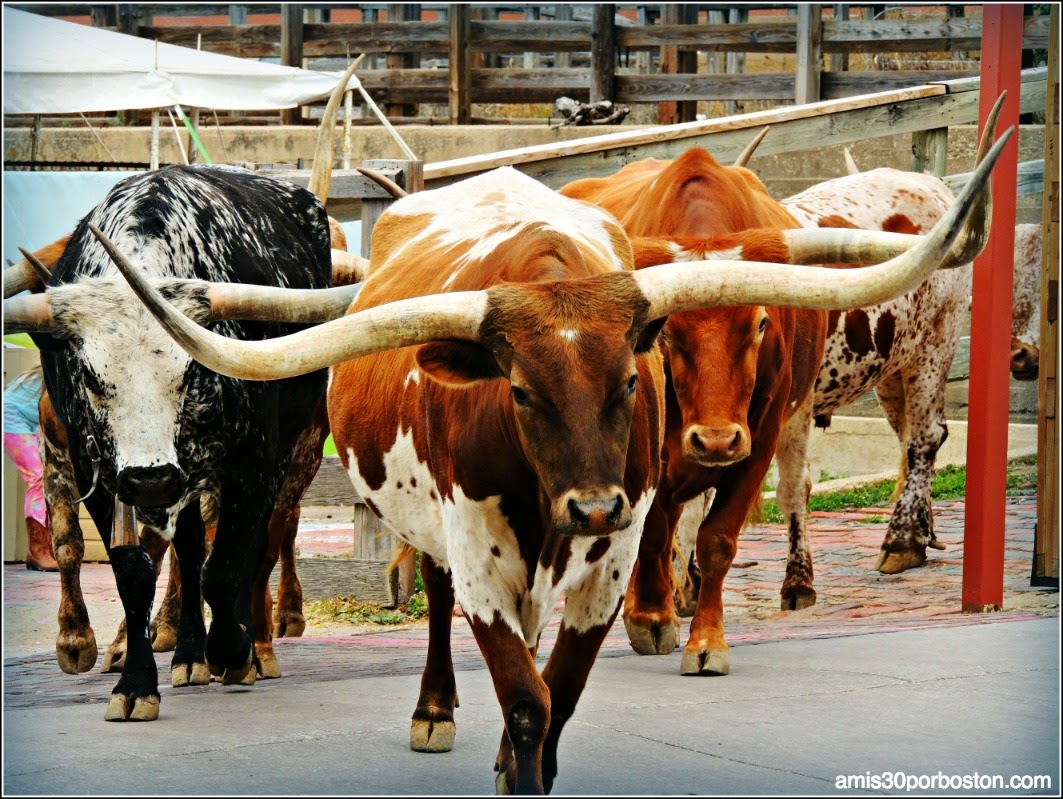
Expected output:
(751, 148)
(850, 165)
(669, 289)
(30, 313)
(348, 267)
(24, 276)
(457, 315)
(688, 286)
(261, 303)
(386, 183)
(321, 174)
(43, 274)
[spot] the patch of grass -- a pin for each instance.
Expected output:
(876, 519)
(345, 610)
(950, 482)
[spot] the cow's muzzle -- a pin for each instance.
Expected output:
(151, 486)
(592, 512)
(1024, 360)
(715, 446)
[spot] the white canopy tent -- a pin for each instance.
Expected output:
(57, 67)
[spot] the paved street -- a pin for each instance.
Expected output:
(883, 674)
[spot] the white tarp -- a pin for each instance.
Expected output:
(57, 67)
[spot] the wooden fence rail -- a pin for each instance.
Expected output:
(606, 36)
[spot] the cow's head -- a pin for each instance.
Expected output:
(568, 347)
(568, 350)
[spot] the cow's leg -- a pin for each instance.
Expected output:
(685, 571)
(156, 548)
(230, 569)
(891, 398)
(911, 527)
(795, 485)
(136, 696)
(432, 728)
(706, 651)
(303, 467)
(649, 607)
(166, 624)
(261, 595)
(586, 621)
(525, 702)
(75, 645)
(189, 663)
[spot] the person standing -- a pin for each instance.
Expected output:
(22, 442)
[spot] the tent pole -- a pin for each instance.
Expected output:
(154, 139)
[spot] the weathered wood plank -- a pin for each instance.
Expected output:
(830, 122)
(1031, 176)
(328, 578)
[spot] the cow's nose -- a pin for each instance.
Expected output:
(718, 446)
(595, 513)
(151, 486)
(1024, 361)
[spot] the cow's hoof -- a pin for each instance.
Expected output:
(114, 660)
(76, 653)
(289, 625)
(501, 784)
(123, 707)
(797, 597)
(268, 667)
(935, 544)
(432, 736)
(712, 663)
(896, 562)
(652, 638)
(183, 675)
(241, 675)
(163, 638)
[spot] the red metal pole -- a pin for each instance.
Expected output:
(987, 418)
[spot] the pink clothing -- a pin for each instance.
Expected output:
(24, 449)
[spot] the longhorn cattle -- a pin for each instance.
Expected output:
(740, 388)
(1026, 312)
(518, 446)
(902, 349)
(176, 234)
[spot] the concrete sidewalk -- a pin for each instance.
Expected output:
(883, 674)
(792, 717)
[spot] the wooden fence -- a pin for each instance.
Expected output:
(455, 55)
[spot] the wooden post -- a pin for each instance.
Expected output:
(809, 53)
(1046, 540)
(673, 62)
(736, 62)
(563, 13)
(930, 146)
(460, 102)
(603, 53)
(839, 62)
(410, 178)
(291, 50)
(402, 12)
(987, 416)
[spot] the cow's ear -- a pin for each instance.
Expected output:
(648, 335)
(457, 363)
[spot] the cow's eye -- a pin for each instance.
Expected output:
(632, 383)
(763, 324)
(520, 396)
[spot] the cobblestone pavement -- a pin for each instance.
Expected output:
(853, 599)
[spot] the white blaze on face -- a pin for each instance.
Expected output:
(141, 371)
(568, 334)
